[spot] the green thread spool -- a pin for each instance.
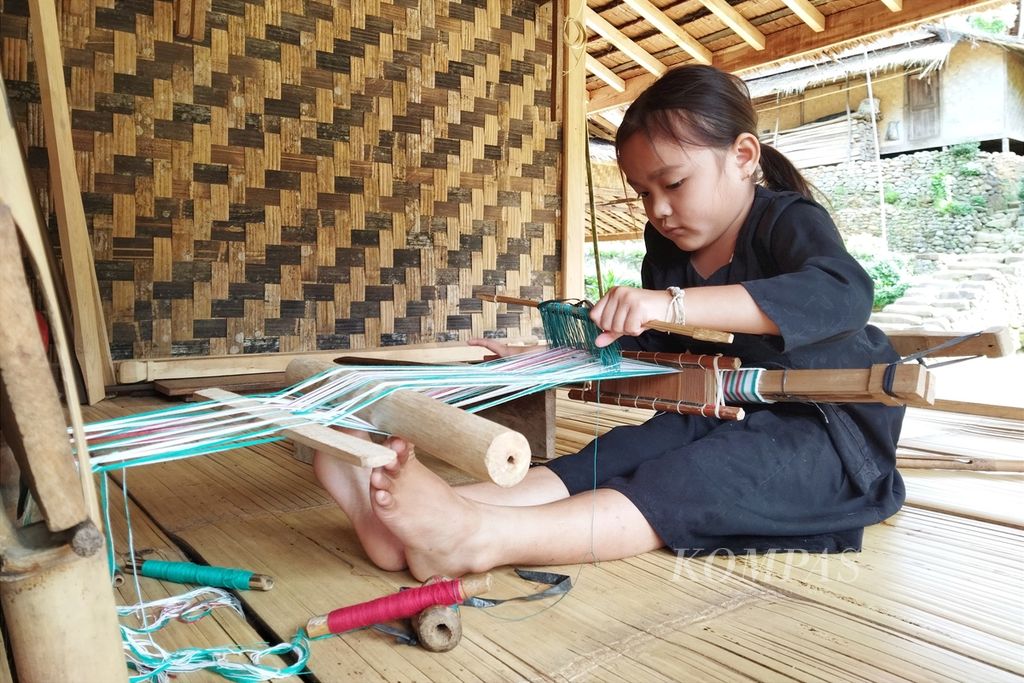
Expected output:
(203, 575)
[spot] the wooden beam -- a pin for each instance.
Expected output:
(91, 344)
(600, 25)
(893, 5)
(808, 13)
(862, 22)
(574, 160)
(132, 371)
(994, 342)
(595, 67)
(671, 29)
(737, 22)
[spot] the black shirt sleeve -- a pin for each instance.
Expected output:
(815, 291)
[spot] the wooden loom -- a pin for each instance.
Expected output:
(694, 388)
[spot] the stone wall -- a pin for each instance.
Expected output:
(934, 202)
(954, 219)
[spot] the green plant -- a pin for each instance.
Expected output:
(889, 277)
(988, 24)
(965, 151)
(610, 279)
(1020, 189)
(891, 195)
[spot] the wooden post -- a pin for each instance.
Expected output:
(475, 445)
(91, 344)
(574, 150)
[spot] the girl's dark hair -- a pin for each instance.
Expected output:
(705, 107)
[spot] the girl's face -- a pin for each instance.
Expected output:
(694, 196)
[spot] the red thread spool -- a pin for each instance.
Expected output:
(400, 605)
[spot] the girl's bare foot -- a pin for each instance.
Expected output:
(437, 527)
(349, 485)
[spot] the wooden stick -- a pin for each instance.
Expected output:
(701, 333)
(705, 410)
(968, 464)
(679, 360)
(343, 446)
(475, 445)
(91, 343)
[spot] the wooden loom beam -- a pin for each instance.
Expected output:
(477, 446)
(696, 384)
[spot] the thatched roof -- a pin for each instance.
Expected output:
(917, 49)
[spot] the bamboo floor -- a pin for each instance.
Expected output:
(937, 594)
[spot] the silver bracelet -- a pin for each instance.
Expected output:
(676, 313)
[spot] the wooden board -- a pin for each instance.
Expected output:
(258, 383)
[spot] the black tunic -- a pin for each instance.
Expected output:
(791, 475)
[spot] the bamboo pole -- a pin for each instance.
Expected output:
(477, 446)
(54, 588)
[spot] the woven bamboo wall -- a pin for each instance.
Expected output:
(310, 175)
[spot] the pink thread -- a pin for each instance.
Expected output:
(403, 604)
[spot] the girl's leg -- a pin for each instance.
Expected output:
(539, 486)
(446, 533)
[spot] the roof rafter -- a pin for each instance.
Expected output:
(670, 28)
(808, 13)
(862, 22)
(600, 25)
(737, 22)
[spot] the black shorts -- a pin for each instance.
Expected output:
(773, 481)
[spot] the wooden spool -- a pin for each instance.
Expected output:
(477, 446)
(438, 628)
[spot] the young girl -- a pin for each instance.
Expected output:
(734, 242)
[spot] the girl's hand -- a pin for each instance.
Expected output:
(624, 310)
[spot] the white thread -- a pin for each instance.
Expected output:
(676, 313)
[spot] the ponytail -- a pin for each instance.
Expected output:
(779, 174)
(703, 106)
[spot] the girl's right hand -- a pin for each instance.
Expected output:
(625, 310)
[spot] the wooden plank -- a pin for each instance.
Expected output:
(154, 369)
(91, 344)
(601, 26)
(993, 342)
(256, 383)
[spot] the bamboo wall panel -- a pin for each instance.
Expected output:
(309, 175)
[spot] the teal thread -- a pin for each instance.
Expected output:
(202, 575)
